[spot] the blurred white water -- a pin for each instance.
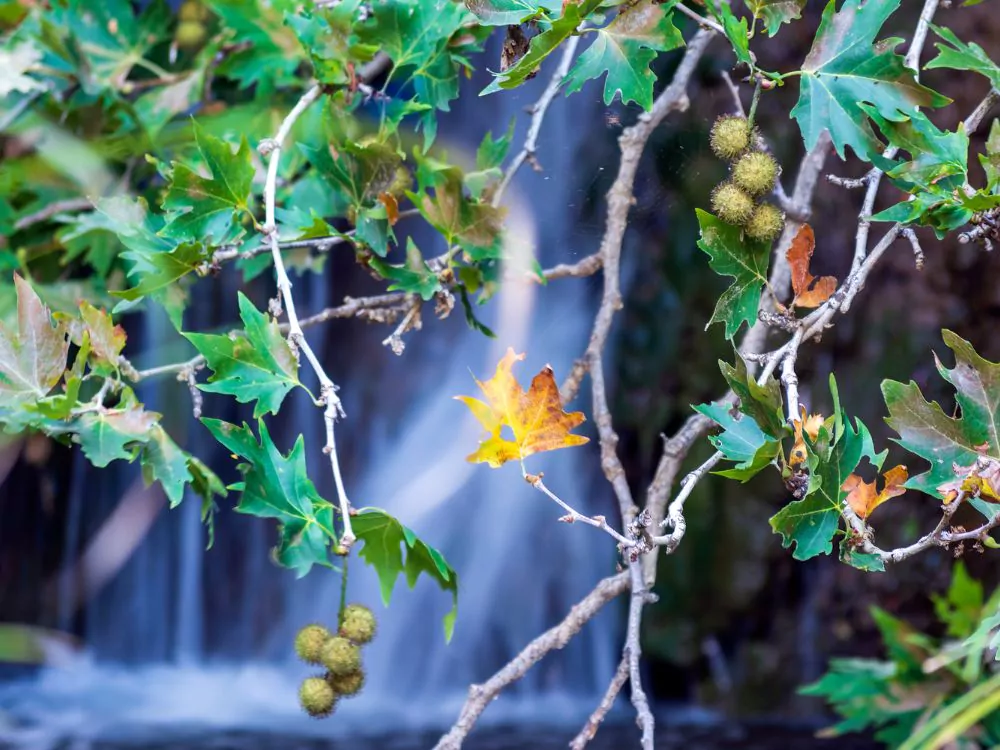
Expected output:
(184, 640)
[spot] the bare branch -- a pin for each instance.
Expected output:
(572, 515)
(633, 650)
(589, 730)
(480, 696)
(610, 463)
(703, 21)
(632, 142)
(52, 209)
(296, 337)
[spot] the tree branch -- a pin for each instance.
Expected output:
(480, 696)
(589, 730)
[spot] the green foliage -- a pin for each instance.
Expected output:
(624, 49)
(745, 260)
(846, 68)
(741, 441)
(258, 365)
(393, 549)
(774, 13)
(927, 689)
(955, 54)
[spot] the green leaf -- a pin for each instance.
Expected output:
(948, 442)
(961, 609)
(991, 159)
(492, 151)
(385, 542)
(741, 441)
(328, 36)
(259, 366)
(736, 29)
(624, 49)
(473, 224)
(109, 37)
(962, 56)
(845, 68)
(207, 209)
(155, 272)
(470, 317)
(32, 358)
(166, 463)
(811, 523)
(414, 277)
(776, 12)
(508, 12)
(732, 254)
(358, 172)
(277, 486)
(543, 45)
(934, 154)
(761, 403)
(860, 560)
(267, 61)
(106, 339)
(108, 435)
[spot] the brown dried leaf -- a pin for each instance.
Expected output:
(809, 290)
(391, 207)
(810, 426)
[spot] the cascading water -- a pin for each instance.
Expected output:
(181, 637)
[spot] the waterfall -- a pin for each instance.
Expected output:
(187, 638)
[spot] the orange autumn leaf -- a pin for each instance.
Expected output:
(536, 417)
(391, 207)
(809, 290)
(810, 426)
(863, 498)
(981, 480)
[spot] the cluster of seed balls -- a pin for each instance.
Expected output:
(752, 175)
(340, 653)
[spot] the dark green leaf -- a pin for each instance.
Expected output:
(732, 254)
(267, 61)
(845, 68)
(414, 277)
(259, 366)
(385, 542)
(492, 151)
(508, 12)
(741, 441)
(624, 49)
(207, 209)
(860, 560)
(108, 435)
(473, 224)
(164, 462)
(776, 12)
(762, 403)
(737, 31)
(328, 36)
(277, 486)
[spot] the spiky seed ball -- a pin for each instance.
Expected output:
(309, 643)
(766, 223)
(730, 136)
(317, 697)
(341, 656)
(346, 685)
(732, 204)
(190, 33)
(359, 624)
(755, 172)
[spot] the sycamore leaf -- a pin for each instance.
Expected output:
(934, 153)
(165, 462)
(962, 56)
(492, 151)
(762, 403)
(156, 271)
(624, 50)
(259, 366)
(413, 277)
(732, 254)
(775, 12)
(386, 541)
(845, 68)
(271, 57)
(328, 35)
(810, 523)
(736, 29)
(277, 486)
(741, 441)
(536, 417)
(953, 445)
(33, 357)
(809, 291)
(475, 225)
(206, 209)
(106, 339)
(863, 497)
(108, 435)
(508, 12)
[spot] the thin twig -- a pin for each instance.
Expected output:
(296, 337)
(480, 696)
(703, 21)
(52, 209)
(589, 730)
(633, 650)
(572, 515)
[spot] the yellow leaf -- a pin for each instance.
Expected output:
(810, 425)
(863, 498)
(536, 417)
